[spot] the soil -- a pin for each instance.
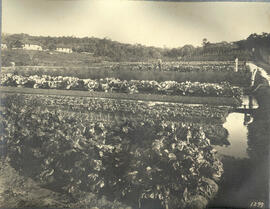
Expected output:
(17, 191)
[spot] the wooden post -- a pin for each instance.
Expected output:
(13, 65)
(236, 65)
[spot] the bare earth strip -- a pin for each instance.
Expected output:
(18, 191)
(222, 101)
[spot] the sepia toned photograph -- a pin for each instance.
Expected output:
(128, 104)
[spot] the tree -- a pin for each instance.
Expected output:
(205, 42)
(15, 44)
(187, 50)
(52, 47)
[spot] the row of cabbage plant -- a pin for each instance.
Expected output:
(122, 86)
(179, 67)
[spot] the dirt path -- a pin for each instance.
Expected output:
(17, 191)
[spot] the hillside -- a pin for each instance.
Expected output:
(87, 51)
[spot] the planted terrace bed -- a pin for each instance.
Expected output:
(122, 86)
(130, 108)
(211, 118)
(220, 101)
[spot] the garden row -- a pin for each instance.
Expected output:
(166, 111)
(179, 66)
(122, 86)
(106, 111)
(170, 162)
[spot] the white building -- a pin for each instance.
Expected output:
(3, 46)
(32, 47)
(65, 50)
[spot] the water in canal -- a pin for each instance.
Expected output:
(245, 182)
(237, 127)
(237, 137)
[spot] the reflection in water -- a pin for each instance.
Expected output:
(237, 137)
(250, 102)
(245, 181)
(248, 119)
(236, 124)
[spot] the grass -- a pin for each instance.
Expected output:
(222, 101)
(23, 58)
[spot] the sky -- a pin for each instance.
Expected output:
(162, 24)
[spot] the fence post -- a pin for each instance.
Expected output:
(236, 65)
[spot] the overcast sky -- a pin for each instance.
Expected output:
(168, 24)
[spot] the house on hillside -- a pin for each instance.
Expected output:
(3, 46)
(64, 50)
(32, 47)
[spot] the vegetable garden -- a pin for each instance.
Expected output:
(124, 159)
(127, 150)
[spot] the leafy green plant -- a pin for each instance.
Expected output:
(171, 162)
(123, 86)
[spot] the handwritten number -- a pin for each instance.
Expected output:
(257, 204)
